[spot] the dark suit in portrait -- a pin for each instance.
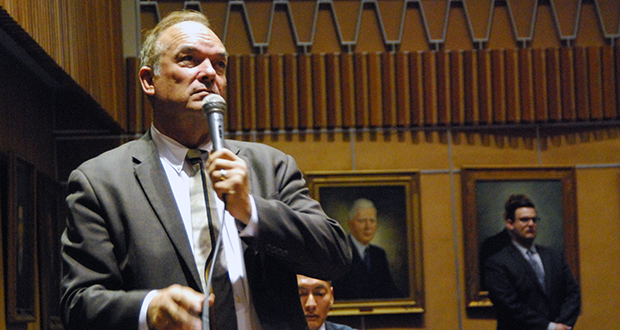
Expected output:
(125, 237)
(360, 282)
(489, 247)
(520, 301)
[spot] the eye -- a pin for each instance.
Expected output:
(320, 293)
(220, 65)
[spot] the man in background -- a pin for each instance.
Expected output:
(369, 276)
(317, 297)
(531, 286)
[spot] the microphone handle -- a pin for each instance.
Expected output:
(216, 128)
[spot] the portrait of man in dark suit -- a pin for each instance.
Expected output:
(369, 276)
(531, 286)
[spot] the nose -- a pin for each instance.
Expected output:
(310, 303)
(206, 72)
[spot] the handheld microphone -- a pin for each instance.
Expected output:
(214, 107)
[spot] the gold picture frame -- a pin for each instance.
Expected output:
(485, 190)
(396, 195)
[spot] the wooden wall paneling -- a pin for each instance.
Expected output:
(470, 88)
(540, 85)
(333, 94)
(402, 94)
(248, 91)
(485, 98)
(319, 91)
(567, 82)
(291, 107)
(526, 93)
(348, 89)
(443, 87)
(552, 59)
(512, 84)
(456, 87)
(261, 66)
(304, 70)
(234, 98)
(429, 80)
(276, 86)
(375, 90)
(595, 90)
(498, 87)
(134, 111)
(361, 89)
(608, 82)
(617, 72)
(416, 89)
(581, 83)
(388, 81)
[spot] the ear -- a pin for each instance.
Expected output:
(146, 76)
(331, 301)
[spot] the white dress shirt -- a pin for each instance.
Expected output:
(172, 155)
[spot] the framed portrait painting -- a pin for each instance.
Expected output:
(50, 224)
(485, 191)
(380, 212)
(21, 235)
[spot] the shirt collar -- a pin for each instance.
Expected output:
(172, 151)
(359, 246)
(523, 249)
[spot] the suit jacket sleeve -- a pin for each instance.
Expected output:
(569, 294)
(292, 226)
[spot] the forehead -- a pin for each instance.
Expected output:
(191, 34)
(311, 283)
(366, 212)
(525, 211)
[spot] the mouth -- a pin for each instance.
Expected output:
(203, 92)
(311, 317)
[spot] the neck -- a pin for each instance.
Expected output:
(191, 134)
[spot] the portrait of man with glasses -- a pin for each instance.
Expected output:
(531, 285)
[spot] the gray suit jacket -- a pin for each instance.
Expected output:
(125, 237)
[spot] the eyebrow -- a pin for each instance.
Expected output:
(190, 49)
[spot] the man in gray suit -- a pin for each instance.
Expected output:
(128, 256)
(531, 286)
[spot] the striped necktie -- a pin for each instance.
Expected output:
(204, 228)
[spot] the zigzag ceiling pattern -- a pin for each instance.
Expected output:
(394, 20)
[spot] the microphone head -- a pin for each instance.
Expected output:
(213, 102)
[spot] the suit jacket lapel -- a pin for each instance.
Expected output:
(152, 178)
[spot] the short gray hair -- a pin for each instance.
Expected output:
(361, 203)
